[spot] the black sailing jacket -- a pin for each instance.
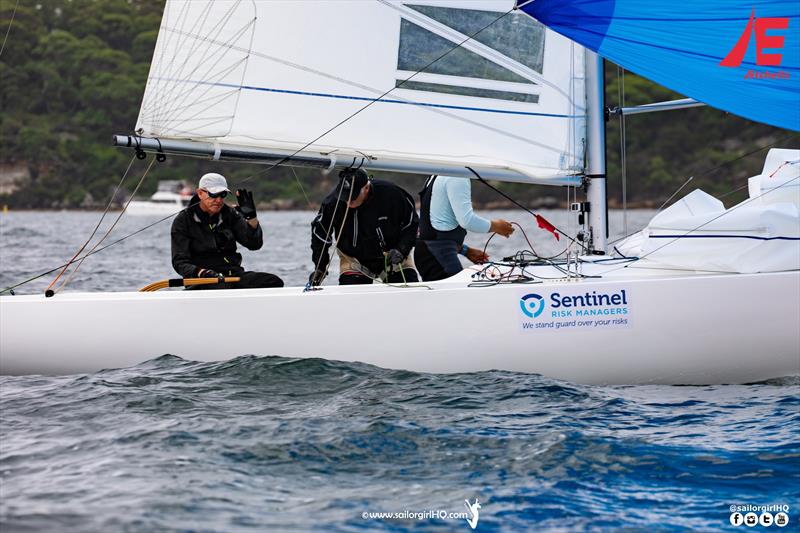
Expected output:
(203, 241)
(387, 219)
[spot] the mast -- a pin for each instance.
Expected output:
(596, 155)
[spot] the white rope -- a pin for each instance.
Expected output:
(338, 234)
(308, 202)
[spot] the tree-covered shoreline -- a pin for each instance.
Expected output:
(72, 73)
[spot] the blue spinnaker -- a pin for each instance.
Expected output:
(741, 56)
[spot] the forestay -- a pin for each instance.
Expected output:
(279, 74)
(742, 56)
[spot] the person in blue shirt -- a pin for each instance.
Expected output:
(445, 217)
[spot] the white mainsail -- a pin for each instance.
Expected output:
(270, 75)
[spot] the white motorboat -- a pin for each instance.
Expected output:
(171, 197)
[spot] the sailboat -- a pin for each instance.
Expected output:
(488, 88)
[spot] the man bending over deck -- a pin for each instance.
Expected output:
(375, 225)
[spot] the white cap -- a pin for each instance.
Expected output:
(213, 183)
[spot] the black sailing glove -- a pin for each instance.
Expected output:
(395, 256)
(247, 207)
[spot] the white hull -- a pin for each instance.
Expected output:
(680, 329)
(146, 208)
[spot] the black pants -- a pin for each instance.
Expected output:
(248, 280)
(437, 260)
(393, 277)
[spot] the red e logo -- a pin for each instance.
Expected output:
(735, 56)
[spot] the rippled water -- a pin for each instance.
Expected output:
(279, 444)
(275, 444)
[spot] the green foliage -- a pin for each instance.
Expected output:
(664, 150)
(73, 73)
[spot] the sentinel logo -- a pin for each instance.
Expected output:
(532, 305)
(588, 310)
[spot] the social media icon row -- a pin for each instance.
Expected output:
(765, 519)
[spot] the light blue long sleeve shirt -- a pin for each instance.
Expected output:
(451, 206)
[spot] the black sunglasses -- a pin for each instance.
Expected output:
(222, 194)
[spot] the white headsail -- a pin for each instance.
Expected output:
(279, 74)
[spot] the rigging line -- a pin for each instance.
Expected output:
(737, 189)
(623, 149)
(308, 202)
(507, 197)
(9, 28)
(791, 136)
(330, 228)
(570, 220)
(685, 183)
(108, 206)
(706, 223)
(108, 232)
(634, 266)
(626, 234)
(145, 228)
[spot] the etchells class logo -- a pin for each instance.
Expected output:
(773, 41)
(532, 305)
